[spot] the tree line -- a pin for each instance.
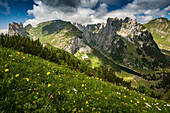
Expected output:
(61, 57)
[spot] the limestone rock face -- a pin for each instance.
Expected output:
(16, 29)
(78, 44)
(125, 41)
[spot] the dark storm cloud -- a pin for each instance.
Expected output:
(61, 3)
(152, 4)
(65, 6)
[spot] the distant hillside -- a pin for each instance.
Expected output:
(160, 29)
(57, 33)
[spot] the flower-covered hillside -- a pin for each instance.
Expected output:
(31, 84)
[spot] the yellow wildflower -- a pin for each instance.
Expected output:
(34, 102)
(58, 92)
(51, 96)
(68, 91)
(87, 105)
(62, 108)
(101, 91)
(76, 75)
(38, 74)
(48, 73)
(49, 85)
(81, 109)
(105, 97)
(30, 89)
(124, 96)
(138, 102)
(35, 82)
(23, 57)
(87, 102)
(130, 100)
(17, 75)
(27, 104)
(6, 70)
(144, 99)
(43, 66)
(82, 85)
(37, 93)
(59, 76)
(27, 79)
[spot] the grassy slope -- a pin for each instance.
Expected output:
(161, 38)
(33, 84)
(57, 33)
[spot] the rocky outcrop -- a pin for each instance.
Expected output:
(16, 29)
(125, 41)
(79, 45)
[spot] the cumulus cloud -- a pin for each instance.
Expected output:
(95, 11)
(4, 7)
(4, 31)
(143, 10)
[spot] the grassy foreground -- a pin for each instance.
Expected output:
(31, 84)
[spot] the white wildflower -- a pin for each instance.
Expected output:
(148, 105)
(158, 108)
(74, 90)
(118, 93)
(168, 105)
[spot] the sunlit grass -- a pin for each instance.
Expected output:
(31, 84)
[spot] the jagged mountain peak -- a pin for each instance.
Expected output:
(16, 29)
(124, 41)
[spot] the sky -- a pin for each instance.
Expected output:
(79, 11)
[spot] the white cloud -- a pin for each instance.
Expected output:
(4, 31)
(84, 14)
(88, 3)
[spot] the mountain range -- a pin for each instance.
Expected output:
(59, 61)
(124, 42)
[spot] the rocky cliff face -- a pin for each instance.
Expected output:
(125, 41)
(16, 29)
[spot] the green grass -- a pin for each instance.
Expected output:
(161, 38)
(128, 77)
(31, 84)
(57, 33)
